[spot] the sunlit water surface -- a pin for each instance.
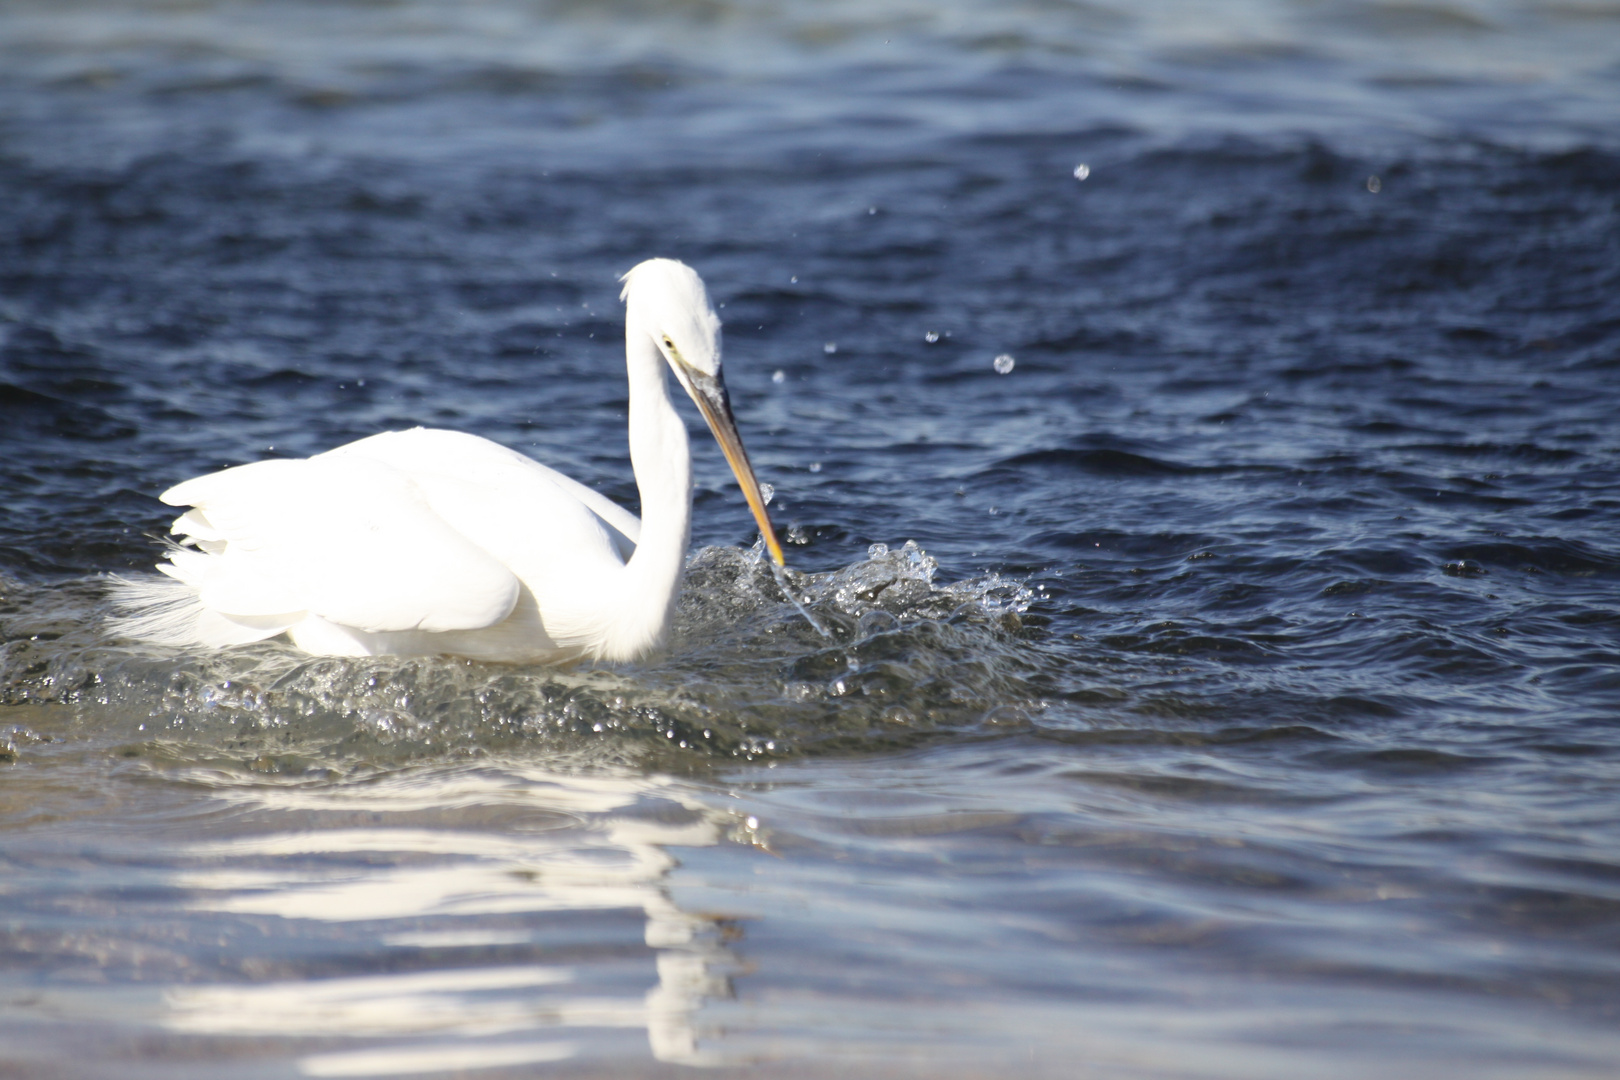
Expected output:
(1244, 703)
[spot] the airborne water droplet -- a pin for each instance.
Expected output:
(1082, 171)
(1004, 364)
(830, 348)
(779, 376)
(767, 492)
(931, 337)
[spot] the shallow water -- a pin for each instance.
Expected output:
(1243, 704)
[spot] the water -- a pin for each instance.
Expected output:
(1243, 704)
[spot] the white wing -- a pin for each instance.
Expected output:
(347, 538)
(436, 459)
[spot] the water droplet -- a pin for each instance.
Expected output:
(871, 209)
(767, 492)
(815, 466)
(931, 337)
(752, 823)
(830, 348)
(794, 280)
(877, 551)
(1004, 364)
(1374, 184)
(1082, 171)
(778, 376)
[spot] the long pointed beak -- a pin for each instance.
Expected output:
(715, 404)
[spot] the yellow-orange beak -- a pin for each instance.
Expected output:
(709, 392)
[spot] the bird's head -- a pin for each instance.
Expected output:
(666, 300)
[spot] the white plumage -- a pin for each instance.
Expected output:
(422, 542)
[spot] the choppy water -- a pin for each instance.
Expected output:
(1245, 705)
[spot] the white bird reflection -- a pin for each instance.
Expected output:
(544, 843)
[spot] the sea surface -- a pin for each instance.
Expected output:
(1195, 425)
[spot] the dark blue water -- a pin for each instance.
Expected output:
(1244, 706)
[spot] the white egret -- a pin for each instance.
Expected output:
(429, 542)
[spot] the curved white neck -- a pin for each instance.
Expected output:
(661, 456)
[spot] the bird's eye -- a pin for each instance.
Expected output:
(668, 344)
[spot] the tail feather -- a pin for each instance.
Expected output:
(166, 611)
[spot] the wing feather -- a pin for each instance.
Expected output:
(458, 457)
(348, 538)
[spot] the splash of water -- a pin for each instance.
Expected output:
(760, 665)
